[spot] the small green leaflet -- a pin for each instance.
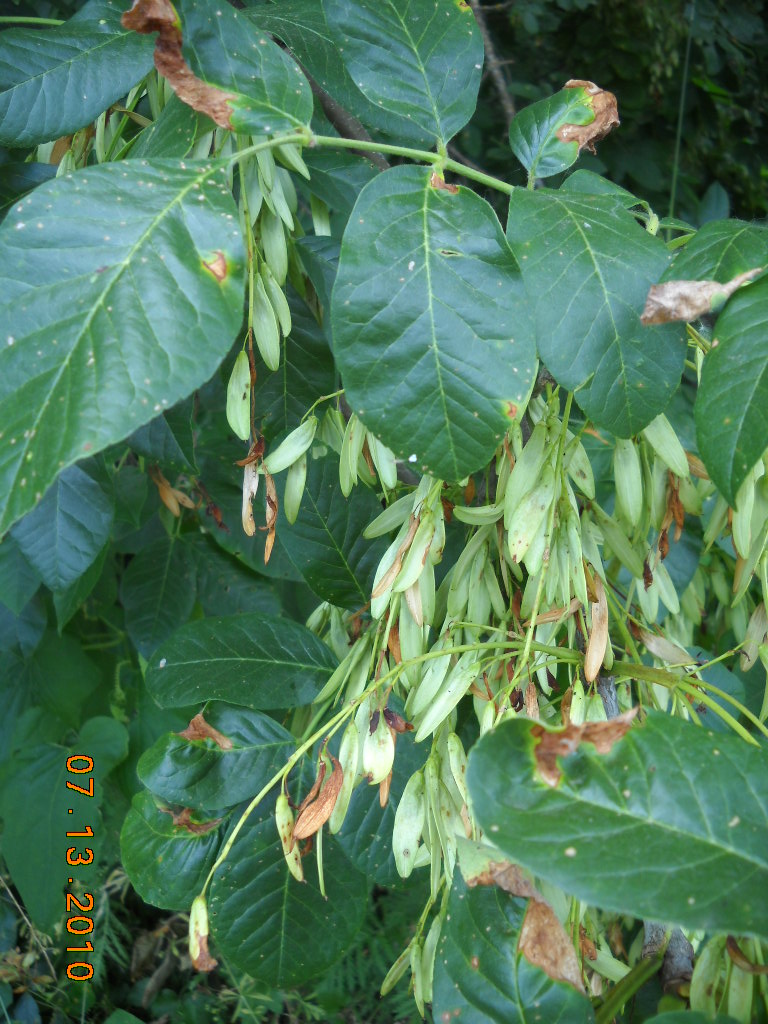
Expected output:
(588, 266)
(431, 329)
(421, 59)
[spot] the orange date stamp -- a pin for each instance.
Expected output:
(80, 910)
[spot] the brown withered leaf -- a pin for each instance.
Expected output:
(183, 819)
(598, 637)
(531, 702)
(250, 487)
(147, 16)
(586, 945)
(313, 815)
(204, 961)
(552, 745)
(543, 940)
(544, 943)
(199, 729)
(688, 300)
(606, 117)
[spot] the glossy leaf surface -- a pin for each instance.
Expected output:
(278, 930)
(55, 81)
(588, 267)
(63, 535)
(167, 865)
(731, 408)
(224, 47)
(201, 774)
(99, 333)
(665, 786)
(481, 977)
(420, 59)
(430, 323)
(253, 660)
(158, 593)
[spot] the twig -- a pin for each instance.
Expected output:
(344, 122)
(493, 63)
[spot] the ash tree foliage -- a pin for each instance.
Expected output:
(366, 539)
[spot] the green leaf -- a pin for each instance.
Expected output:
(18, 580)
(420, 59)
(23, 630)
(58, 80)
(536, 133)
(68, 602)
(584, 181)
(99, 333)
(731, 410)
(35, 844)
(172, 134)
(226, 50)
(720, 251)
(301, 25)
(253, 660)
(61, 676)
(431, 330)
(274, 928)
(65, 533)
(158, 593)
(168, 439)
(588, 267)
(481, 977)
(225, 586)
(326, 542)
(688, 1017)
(167, 865)
(338, 178)
(200, 774)
(17, 178)
(666, 786)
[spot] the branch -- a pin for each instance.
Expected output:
(344, 122)
(493, 63)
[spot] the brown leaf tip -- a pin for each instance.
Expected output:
(606, 117)
(553, 745)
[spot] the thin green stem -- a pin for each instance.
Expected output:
(420, 155)
(13, 19)
(322, 398)
(623, 991)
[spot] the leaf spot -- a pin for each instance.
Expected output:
(570, 851)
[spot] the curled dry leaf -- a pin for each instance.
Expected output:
(688, 300)
(171, 497)
(552, 745)
(199, 729)
(393, 643)
(598, 638)
(147, 16)
(543, 940)
(531, 702)
(198, 936)
(204, 961)
(606, 113)
(271, 515)
(314, 812)
(250, 487)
